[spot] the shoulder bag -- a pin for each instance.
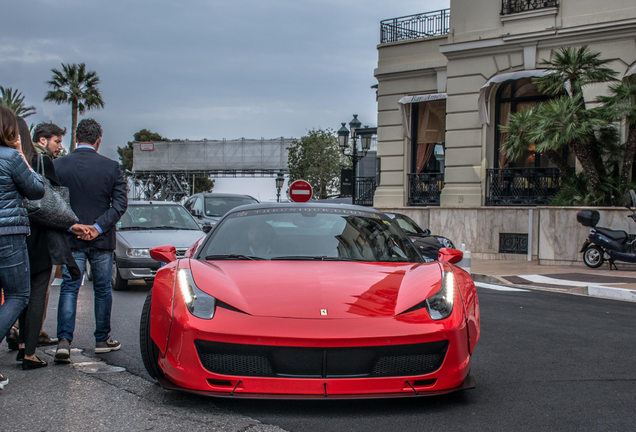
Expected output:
(54, 209)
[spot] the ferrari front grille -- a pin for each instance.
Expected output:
(299, 362)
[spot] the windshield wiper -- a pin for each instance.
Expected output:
(232, 257)
(311, 258)
(132, 228)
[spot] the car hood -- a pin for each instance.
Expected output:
(305, 289)
(180, 239)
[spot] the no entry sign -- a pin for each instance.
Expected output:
(300, 191)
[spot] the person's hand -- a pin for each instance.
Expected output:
(92, 234)
(80, 230)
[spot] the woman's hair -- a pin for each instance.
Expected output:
(25, 137)
(8, 127)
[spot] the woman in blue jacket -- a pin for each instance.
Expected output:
(17, 181)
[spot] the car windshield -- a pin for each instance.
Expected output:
(309, 233)
(408, 225)
(156, 216)
(218, 206)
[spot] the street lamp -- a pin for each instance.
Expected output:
(280, 179)
(365, 134)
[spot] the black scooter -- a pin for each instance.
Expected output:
(607, 244)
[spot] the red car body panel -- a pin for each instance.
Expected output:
(366, 306)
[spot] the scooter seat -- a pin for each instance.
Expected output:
(613, 234)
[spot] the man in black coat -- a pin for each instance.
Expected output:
(99, 199)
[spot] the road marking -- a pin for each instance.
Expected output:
(498, 287)
(554, 281)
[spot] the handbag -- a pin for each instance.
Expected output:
(53, 210)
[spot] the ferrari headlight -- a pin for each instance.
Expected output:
(440, 304)
(138, 253)
(199, 303)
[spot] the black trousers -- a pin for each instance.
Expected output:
(32, 316)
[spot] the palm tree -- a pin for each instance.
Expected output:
(621, 104)
(76, 86)
(14, 100)
(564, 121)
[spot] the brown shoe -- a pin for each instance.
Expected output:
(44, 339)
(108, 345)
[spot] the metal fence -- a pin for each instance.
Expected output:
(415, 26)
(521, 186)
(425, 189)
(515, 6)
(365, 189)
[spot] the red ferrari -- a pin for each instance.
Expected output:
(309, 301)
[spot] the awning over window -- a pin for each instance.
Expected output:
(484, 92)
(405, 108)
(631, 71)
(422, 98)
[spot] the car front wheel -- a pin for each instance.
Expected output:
(149, 350)
(118, 283)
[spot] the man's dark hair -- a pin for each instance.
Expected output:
(47, 130)
(88, 131)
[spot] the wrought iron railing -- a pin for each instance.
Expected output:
(425, 189)
(415, 26)
(515, 6)
(365, 188)
(521, 186)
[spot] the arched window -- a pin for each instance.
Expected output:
(512, 97)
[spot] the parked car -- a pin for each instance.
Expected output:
(309, 301)
(209, 208)
(145, 225)
(427, 244)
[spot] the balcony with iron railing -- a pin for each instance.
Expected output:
(416, 26)
(521, 186)
(515, 6)
(425, 189)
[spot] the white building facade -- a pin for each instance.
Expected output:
(446, 81)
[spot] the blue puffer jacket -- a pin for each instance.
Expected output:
(17, 181)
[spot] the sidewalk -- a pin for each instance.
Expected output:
(573, 279)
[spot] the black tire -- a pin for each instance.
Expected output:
(593, 256)
(149, 350)
(118, 283)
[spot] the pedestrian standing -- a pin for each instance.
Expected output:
(46, 246)
(99, 199)
(17, 181)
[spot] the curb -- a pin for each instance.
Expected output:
(597, 291)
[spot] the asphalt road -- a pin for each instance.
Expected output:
(545, 361)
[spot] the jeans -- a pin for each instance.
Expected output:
(15, 279)
(101, 265)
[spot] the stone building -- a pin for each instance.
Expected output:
(446, 80)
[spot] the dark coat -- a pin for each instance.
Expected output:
(98, 194)
(48, 246)
(17, 182)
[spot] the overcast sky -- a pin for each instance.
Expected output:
(203, 68)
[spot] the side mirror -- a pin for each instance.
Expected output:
(452, 256)
(164, 254)
(207, 227)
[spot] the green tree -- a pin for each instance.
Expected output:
(203, 184)
(564, 122)
(76, 86)
(14, 100)
(316, 158)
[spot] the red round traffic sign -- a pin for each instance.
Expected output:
(300, 191)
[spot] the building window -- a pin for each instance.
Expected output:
(512, 97)
(429, 128)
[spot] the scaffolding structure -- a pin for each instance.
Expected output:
(167, 170)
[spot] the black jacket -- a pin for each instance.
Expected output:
(48, 246)
(98, 193)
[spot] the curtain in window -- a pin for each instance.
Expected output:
(431, 128)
